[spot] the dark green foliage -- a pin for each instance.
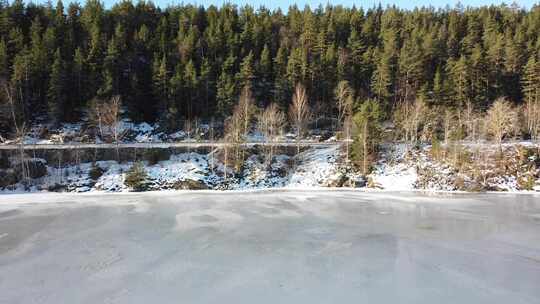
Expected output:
(187, 61)
(57, 93)
(136, 177)
(367, 134)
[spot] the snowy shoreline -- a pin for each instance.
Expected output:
(399, 169)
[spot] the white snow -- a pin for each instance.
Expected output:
(399, 169)
(315, 167)
(392, 172)
(399, 177)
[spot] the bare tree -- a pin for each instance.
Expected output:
(106, 117)
(531, 111)
(188, 127)
(233, 137)
(447, 125)
(111, 117)
(20, 130)
(271, 122)
(211, 139)
(501, 119)
(246, 110)
(299, 112)
(344, 98)
(469, 119)
(347, 128)
(408, 116)
(95, 116)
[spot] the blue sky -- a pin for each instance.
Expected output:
(272, 4)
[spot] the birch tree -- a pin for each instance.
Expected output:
(106, 116)
(245, 110)
(501, 119)
(531, 91)
(20, 130)
(270, 123)
(299, 112)
(344, 96)
(234, 126)
(408, 116)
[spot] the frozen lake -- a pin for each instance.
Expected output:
(270, 247)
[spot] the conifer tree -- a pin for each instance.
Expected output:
(57, 93)
(160, 78)
(367, 134)
(190, 87)
(246, 75)
(4, 63)
(226, 87)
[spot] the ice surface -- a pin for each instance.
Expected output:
(269, 247)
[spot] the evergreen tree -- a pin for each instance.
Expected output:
(381, 81)
(111, 82)
(176, 89)
(137, 177)
(57, 93)
(206, 87)
(459, 72)
(79, 93)
(226, 88)
(196, 59)
(160, 79)
(479, 77)
(246, 76)
(264, 70)
(15, 41)
(366, 139)
(439, 89)
(4, 63)
(190, 87)
(282, 86)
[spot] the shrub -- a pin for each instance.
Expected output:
(526, 182)
(136, 177)
(95, 172)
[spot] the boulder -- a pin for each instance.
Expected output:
(355, 182)
(8, 177)
(336, 182)
(190, 184)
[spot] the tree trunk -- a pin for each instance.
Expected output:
(364, 139)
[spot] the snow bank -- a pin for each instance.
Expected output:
(316, 167)
(393, 171)
(399, 168)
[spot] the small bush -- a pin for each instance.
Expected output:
(526, 182)
(95, 172)
(137, 178)
(459, 183)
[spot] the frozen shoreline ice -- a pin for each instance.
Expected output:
(270, 247)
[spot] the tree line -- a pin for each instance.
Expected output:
(177, 63)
